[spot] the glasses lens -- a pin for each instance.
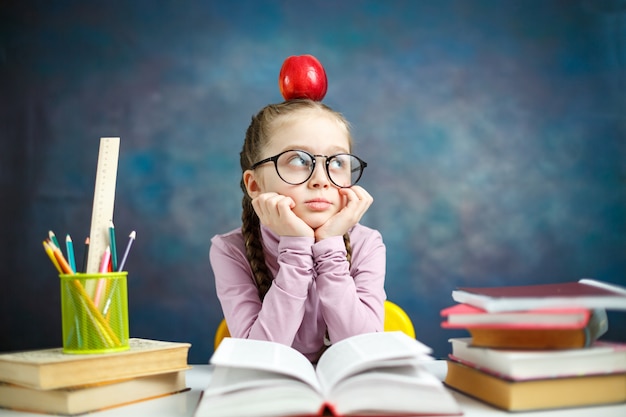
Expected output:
(344, 169)
(294, 167)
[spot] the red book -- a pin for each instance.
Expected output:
(464, 316)
(585, 293)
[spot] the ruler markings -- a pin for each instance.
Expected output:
(103, 201)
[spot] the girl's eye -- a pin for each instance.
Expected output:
(298, 159)
(338, 162)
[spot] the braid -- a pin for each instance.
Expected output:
(346, 241)
(251, 228)
(254, 247)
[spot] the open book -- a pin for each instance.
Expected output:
(373, 373)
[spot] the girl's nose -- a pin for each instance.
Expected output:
(319, 178)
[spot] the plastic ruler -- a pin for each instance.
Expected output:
(103, 201)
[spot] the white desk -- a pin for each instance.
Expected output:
(184, 404)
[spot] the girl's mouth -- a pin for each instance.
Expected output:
(318, 204)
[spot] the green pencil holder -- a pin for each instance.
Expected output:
(94, 312)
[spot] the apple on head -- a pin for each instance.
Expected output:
(302, 76)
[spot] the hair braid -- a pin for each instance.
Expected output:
(251, 227)
(254, 247)
(346, 241)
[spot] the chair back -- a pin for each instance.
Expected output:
(396, 319)
(222, 332)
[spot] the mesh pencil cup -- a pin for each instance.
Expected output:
(94, 312)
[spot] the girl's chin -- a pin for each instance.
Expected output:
(316, 221)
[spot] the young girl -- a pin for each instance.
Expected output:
(301, 270)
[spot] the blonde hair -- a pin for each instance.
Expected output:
(257, 137)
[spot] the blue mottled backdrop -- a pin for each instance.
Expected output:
(494, 132)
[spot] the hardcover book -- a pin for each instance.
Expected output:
(368, 374)
(51, 368)
(89, 398)
(601, 358)
(536, 394)
(524, 334)
(532, 339)
(586, 293)
(464, 315)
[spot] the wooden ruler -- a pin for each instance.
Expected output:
(103, 201)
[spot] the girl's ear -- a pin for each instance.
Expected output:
(251, 183)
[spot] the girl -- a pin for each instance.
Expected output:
(301, 270)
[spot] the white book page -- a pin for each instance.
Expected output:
(227, 379)
(267, 402)
(366, 351)
(603, 285)
(407, 390)
(265, 356)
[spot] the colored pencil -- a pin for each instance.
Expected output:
(53, 238)
(85, 255)
(65, 266)
(50, 254)
(131, 239)
(104, 267)
(113, 246)
(104, 263)
(69, 246)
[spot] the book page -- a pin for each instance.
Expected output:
(225, 379)
(267, 401)
(604, 285)
(405, 390)
(367, 351)
(265, 356)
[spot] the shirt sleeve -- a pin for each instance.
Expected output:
(352, 296)
(280, 315)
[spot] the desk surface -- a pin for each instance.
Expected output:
(184, 404)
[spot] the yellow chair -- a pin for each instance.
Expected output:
(396, 319)
(222, 332)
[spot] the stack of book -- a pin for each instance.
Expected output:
(537, 346)
(49, 381)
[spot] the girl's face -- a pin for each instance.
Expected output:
(318, 133)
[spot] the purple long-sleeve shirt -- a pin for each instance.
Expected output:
(314, 290)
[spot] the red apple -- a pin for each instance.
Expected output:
(302, 76)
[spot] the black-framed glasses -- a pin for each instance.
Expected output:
(295, 167)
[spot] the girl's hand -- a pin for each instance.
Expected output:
(275, 212)
(357, 201)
